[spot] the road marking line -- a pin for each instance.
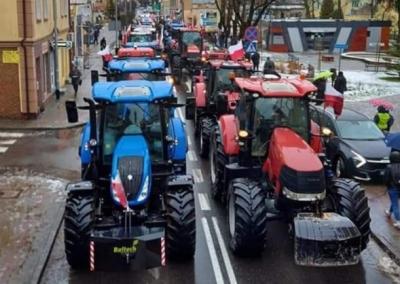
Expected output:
(189, 140)
(11, 135)
(192, 156)
(204, 204)
(225, 255)
(3, 149)
(180, 114)
(211, 250)
(198, 176)
(7, 142)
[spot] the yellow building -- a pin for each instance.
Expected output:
(27, 55)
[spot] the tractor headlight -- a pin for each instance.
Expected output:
(170, 80)
(145, 190)
(243, 134)
(359, 160)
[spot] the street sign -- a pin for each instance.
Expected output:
(63, 43)
(341, 46)
(252, 47)
(250, 33)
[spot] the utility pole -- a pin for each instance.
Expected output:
(116, 27)
(55, 34)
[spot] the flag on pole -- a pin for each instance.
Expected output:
(236, 51)
(333, 99)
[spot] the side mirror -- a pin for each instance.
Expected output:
(72, 111)
(94, 76)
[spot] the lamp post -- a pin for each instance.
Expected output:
(116, 27)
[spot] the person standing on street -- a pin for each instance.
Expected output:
(103, 43)
(340, 83)
(75, 79)
(392, 181)
(269, 66)
(96, 36)
(383, 119)
(255, 58)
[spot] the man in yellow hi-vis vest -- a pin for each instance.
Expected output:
(383, 119)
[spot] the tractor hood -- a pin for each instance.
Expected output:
(131, 171)
(192, 48)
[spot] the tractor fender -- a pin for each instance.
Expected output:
(316, 141)
(180, 181)
(200, 94)
(80, 187)
(229, 130)
(84, 151)
(177, 150)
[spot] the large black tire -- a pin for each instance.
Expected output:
(181, 224)
(340, 168)
(176, 68)
(352, 203)
(190, 108)
(247, 217)
(215, 171)
(78, 223)
(204, 146)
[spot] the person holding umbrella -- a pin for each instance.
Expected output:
(392, 181)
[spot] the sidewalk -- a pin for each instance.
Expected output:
(54, 116)
(383, 232)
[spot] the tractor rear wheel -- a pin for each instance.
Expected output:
(215, 173)
(181, 224)
(78, 223)
(351, 202)
(247, 217)
(204, 142)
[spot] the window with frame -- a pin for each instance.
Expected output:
(38, 10)
(45, 9)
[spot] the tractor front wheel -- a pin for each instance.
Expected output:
(215, 173)
(351, 202)
(181, 224)
(247, 217)
(78, 223)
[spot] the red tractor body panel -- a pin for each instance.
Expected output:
(287, 148)
(316, 141)
(136, 52)
(233, 98)
(276, 87)
(218, 63)
(229, 132)
(200, 94)
(192, 48)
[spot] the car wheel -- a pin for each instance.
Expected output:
(340, 168)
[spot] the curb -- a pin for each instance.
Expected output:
(42, 128)
(45, 255)
(385, 248)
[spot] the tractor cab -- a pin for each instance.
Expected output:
(134, 181)
(190, 43)
(142, 38)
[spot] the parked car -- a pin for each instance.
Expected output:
(357, 148)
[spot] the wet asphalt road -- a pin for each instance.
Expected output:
(56, 153)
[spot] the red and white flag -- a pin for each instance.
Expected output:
(118, 191)
(333, 99)
(236, 51)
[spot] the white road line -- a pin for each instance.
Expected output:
(204, 203)
(180, 114)
(189, 141)
(198, 176)
(3, 149)
(192, 156)
(211, 250)
(225, 255)
(7, 142)
(11, 135)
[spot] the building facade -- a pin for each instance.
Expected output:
(27, 55)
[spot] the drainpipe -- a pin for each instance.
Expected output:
(25, 57)
(56, 50)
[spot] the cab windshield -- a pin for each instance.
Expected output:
(132, 119)
(191, 38)
(270, 113)
(141, 38)
(222, 76)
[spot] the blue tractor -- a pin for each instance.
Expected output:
(134, 207)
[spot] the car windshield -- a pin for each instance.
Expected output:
(270, 113)
(141, 38)
(132, 119)
(359, 130)
(191, 38)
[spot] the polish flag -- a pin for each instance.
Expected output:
(333, 99)
(119, 192)
(236, 51)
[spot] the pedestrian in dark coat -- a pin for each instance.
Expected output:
(392, 181)
(321, 87)
(75, 75)
(340, 83)
(96, 36)
(103, 43)
(269, 66)
(255, 58)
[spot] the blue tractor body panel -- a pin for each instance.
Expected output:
(84, 151)
(177, 151)
(133, 146)
(132, 91)
(136, 65)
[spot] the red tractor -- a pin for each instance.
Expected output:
(186, 53)
(213, 95)
(267, 163)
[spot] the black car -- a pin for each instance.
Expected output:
(357, 149)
